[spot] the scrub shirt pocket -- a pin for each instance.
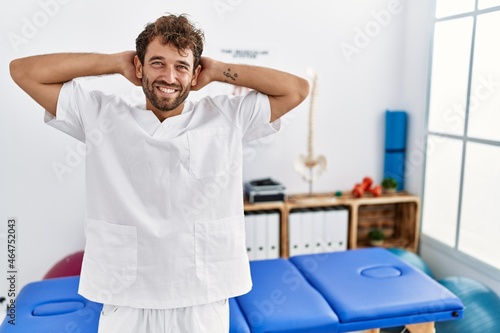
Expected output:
(220, 247)
(111, 252)
(208, 152)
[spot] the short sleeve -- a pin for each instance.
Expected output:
(251, 113)
(73, 106)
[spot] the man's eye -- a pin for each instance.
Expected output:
(156, 63)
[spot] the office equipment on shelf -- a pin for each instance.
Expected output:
(264, 190)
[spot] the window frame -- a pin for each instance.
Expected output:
(454, 252)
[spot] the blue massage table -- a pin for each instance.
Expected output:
(53, 306)
(332, 292)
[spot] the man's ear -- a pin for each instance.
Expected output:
(194, 80)
(138, 67)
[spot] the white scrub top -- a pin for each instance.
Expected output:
(165, 224)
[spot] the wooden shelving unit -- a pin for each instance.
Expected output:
(397, 214)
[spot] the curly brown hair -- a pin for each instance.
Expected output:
(175, 30)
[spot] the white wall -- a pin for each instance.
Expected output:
(352, 98)
(414, 92)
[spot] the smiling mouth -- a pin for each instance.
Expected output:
(166, 90)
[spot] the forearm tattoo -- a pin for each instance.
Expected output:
(230, 75)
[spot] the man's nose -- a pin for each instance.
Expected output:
(169, 75)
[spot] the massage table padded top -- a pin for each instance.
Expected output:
(281, 300)
(237, 322)
(53, 305)
(334, 292)
(370, 288)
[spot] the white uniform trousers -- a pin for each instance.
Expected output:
(207, 318)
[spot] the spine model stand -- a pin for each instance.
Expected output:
(310, 166)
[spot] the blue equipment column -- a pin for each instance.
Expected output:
(395, 146)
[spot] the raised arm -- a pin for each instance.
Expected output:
(43, 76)
(285, 91)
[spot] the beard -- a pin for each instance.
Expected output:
(163, 103)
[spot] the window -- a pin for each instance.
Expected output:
(462, 170)
(483, 4)
(453, 7)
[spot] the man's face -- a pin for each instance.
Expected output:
(167, 77)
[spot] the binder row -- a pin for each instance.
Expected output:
(262, 234)
(311, 230)
(318, 230)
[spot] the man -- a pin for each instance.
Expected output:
(165, 243)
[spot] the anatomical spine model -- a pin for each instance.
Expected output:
(311, 166)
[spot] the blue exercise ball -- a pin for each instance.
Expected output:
(412, 259)
(482, 307)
